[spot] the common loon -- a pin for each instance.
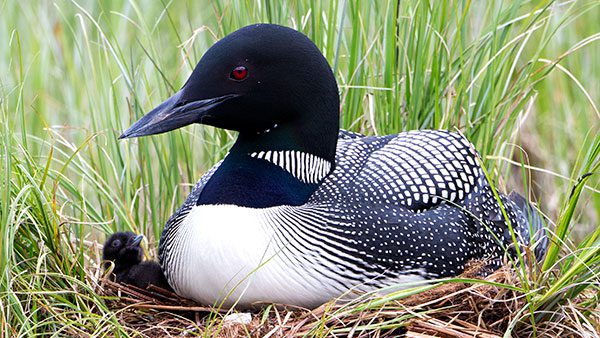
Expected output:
(300, 212)
(123, 249)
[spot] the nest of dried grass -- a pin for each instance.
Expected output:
(448, 310)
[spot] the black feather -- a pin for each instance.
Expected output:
(122, 249)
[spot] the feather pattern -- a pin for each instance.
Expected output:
(308, 168)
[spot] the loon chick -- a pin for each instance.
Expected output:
(123, 249)
(299, 212)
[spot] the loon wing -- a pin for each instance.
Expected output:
(417, 170)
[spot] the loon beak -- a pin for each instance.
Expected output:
(137, 240)
(172, 114)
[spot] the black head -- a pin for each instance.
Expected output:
(123, 248)
(254, 79)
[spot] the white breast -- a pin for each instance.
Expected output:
(229, 254)
(225, 255)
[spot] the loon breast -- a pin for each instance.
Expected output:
(225, 255)
(220, 251)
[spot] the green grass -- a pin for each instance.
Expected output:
(520, 79)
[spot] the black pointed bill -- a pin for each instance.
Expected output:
(137, 240)
(172, 114)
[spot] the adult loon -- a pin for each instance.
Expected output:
(299, 212)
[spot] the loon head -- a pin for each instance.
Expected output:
(270, 83)
(123, 248)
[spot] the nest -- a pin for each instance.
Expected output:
(448, 310)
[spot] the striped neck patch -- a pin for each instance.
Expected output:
(306, 167)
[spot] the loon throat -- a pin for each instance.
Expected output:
(306, 167)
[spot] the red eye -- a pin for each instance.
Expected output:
(239, 73)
